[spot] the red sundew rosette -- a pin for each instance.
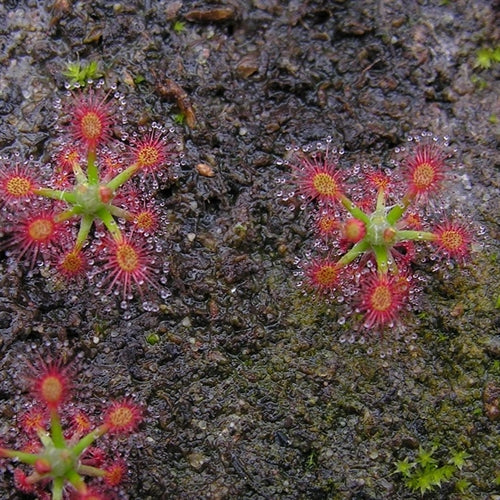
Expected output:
(425, 171)
(91, 120)
(318, 179)
(128, 263)
(51, 385)
(381, 298)
(36, 234)
(452, 239)
(122, 417)
(17, 183)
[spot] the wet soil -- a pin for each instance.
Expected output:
(249, 391)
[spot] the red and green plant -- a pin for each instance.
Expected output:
(91, 213)
(369, 223)
(60, 457)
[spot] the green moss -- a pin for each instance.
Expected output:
(312, 460)
(180, 118)
(80, 74)
(152, 338)
(425, 472)
(486, 57)
(138, 79)
(178, 26)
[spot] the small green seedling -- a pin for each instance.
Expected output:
(486, 57)
(80, 74)
(425, 472)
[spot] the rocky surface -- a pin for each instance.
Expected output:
(249, 391)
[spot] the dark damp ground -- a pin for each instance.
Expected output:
(249, 392)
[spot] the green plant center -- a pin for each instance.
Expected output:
(379, 231)
(61, 461)
(91, 198)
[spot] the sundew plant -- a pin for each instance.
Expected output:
(55, 447)
(372, 224)
(91, 213)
